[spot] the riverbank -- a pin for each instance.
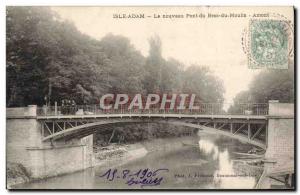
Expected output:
(112, 155)
(16, 174)
(118, 154)
(204, 155)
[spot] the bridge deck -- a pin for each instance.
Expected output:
(247, 117)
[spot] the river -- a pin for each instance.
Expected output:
(202, 162)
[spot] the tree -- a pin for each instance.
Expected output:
(273, 85)
(153, 66)
(172, 74)
(201, 81)
(126, 65)
(49, 57)
(26, 57)
(242, 98)
(267, 85)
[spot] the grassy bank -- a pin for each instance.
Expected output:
(116, 154)
(15, 174)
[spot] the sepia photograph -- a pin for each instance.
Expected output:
(150, 98)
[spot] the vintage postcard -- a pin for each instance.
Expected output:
(150, 98)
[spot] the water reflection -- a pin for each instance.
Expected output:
(225, 176)
(209, 148)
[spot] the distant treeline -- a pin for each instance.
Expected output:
(268, 85)
(139, 132)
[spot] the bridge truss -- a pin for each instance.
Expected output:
(252, 129)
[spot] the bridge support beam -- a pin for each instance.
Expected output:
(249, 131)
(43, 159)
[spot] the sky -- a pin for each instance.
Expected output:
(212, 42)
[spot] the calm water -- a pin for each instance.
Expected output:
(206, 162)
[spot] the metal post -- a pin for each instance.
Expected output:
(231, 128)
(266, 138)
(249, 131)
(43, 131)
(55, 108)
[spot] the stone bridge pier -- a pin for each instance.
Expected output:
(279, 165)
(43, 159)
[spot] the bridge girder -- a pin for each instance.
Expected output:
(251, 130)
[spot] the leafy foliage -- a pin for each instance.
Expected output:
(49, 60)
(267, 85)
(273, 85)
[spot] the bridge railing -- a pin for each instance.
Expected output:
(204, 109)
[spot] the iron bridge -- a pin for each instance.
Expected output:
(245, 122)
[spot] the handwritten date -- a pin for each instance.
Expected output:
(142, 177)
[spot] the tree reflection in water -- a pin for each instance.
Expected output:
(225, 176)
